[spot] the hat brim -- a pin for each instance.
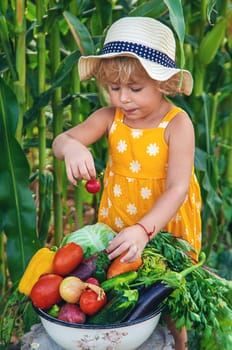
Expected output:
(87, 66)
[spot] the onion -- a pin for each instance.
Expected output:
(72, 287)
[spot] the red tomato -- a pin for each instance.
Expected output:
(89, 302)
(93, 186)
(45, 291)
(93, 280)
(67, 258)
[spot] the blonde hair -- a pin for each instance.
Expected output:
(122, 69)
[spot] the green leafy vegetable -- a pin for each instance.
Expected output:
(92, 238)
(154, 269)
(102, 264)
(153, 263)
(203, 300)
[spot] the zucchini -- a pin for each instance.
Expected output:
(116, 281)
(117, 309)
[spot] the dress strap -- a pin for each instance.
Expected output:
(118, 115)
(171, 114)
(168, 117)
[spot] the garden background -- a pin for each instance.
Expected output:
(41, 95)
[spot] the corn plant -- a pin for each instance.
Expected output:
(41, 95)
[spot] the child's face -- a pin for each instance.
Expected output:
(138, 99)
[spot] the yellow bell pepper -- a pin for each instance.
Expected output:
(40, 263)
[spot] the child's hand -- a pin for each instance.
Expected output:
(133, 239)
(79, 164)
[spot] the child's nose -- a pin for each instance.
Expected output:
(124, 97)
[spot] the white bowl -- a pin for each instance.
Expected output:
(124, 336)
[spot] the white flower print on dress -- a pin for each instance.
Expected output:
(152, 149)
(130, 179)
(118, 222)
(131, 209)
(177, 218)
(136, 134)
(163, 125)
(145, 192)
(122, 146)
(135, 166)
(104, 212)
(117, 190)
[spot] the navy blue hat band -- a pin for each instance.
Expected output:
(140, 50)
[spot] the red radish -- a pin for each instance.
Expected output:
(71, 313)
(93, 186)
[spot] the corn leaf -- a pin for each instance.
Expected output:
(99, 22)
(153, 9)
(43, 99)
(5, 39)
(80, 33)
(211, 42)
(178, 23)
(17, 208)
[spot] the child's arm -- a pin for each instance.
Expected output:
(180, 138)
(72, 145)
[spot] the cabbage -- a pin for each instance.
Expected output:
(92, 238)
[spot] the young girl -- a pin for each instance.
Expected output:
(149, 182)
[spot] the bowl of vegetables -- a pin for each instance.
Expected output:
(86, 301)
(122, 336)
(102, 305)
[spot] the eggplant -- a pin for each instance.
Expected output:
(149, 299)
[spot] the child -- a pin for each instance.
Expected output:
(149, 182)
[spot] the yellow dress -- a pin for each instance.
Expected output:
(135, 178)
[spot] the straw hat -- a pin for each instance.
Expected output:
(146, 39)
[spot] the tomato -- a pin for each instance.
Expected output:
(89, 302)
(93, 280)
(67, 258)
(93, 186)
(45, 291)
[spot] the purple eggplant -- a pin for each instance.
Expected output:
(149, 299)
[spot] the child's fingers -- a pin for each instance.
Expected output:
(131, 255)
(71, 176)
(115, 252)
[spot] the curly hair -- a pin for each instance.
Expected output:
(123, 69)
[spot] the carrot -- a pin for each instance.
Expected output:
(117, 267)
